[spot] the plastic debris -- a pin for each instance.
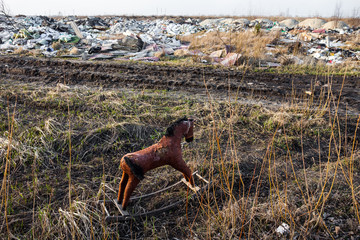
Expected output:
(76, 30)
(95, 49)
(152, 39)
(283, 229)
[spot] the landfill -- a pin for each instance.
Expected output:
(126, 38)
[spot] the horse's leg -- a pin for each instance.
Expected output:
(131, 185)
(122, 185)
(182, 167)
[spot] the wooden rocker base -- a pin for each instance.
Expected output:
(124, 215)
(195, 189)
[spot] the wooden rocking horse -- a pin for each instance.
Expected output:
(166, 152)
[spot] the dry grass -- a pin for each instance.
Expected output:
(248, 43)
(353, 42)
(21, 51)
(296, 165)
(297, 194)
(352, 22)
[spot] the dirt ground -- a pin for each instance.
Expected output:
(270, 87)
(264, 141)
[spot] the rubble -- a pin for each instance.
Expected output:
(95, 38)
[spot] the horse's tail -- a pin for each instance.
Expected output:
(135, 169)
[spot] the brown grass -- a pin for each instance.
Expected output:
(247, 43)
(21, 51)
(296, 165)
(352, 22)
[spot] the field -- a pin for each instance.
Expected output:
(278, 147)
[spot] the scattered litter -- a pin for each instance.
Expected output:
(283, 229)
(96, 38)
(94, 49)
(76, 30)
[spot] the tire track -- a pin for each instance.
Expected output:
(273, 87)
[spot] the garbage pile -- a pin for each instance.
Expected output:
(95, 38)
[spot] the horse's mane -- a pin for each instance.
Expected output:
(170, 130)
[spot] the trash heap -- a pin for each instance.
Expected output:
(95, 38)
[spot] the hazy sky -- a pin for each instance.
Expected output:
(304, 8)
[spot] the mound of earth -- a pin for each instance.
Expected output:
(335, 25)
(312, 23)
(289, 23)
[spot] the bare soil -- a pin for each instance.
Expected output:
(267, 86)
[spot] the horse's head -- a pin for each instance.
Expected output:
(183, 127)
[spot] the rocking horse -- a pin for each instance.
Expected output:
(166, 152)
